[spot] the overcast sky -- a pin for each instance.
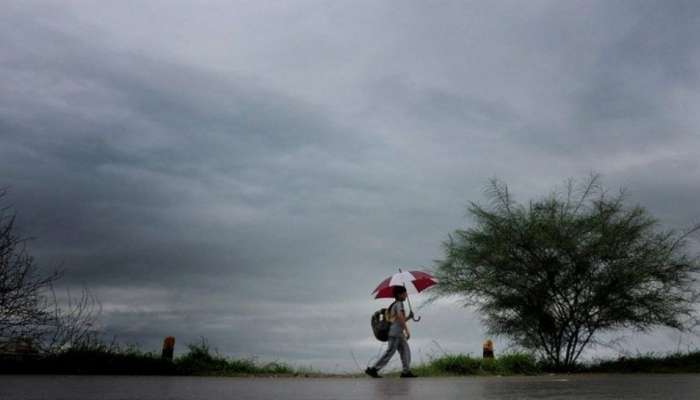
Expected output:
(249, 171)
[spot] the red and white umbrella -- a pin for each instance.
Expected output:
(413, 281)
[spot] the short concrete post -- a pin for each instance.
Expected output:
(168, 348)
(488, 349)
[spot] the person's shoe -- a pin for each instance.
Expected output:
(408, 374)
(372, 372)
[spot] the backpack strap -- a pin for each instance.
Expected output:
(388, 312)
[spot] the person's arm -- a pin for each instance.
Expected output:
(401, 319)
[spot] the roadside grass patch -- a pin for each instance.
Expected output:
(199, 360)
(650, 363)
(464, 364)
(98, 360)
(102, 359)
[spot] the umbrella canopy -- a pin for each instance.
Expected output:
(414, 281)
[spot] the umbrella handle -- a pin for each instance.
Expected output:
(412, 317)
(409, 304)
(411, 309)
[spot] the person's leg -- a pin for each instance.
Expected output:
(405, 353)
(391, 347)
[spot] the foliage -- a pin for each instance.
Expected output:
(651, 363)
(459, 364)
(115, 360)
(553, 274)
(199, 360)
(518, 363)
(94, 360)
(463, 364)
(101, 358)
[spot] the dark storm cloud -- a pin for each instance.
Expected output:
(154, 181)
(248, 173)
(623, 63)
(134, 149)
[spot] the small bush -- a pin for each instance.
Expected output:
(200, 361)
(116, 360)
(277, 368)
(650, 363)
(91, 361)
(518, 364)
(459, 364)
(490, 366)
(463, 364)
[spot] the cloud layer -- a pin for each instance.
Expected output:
(249, 172)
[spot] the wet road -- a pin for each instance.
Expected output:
(630, 387)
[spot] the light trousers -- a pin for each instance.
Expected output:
(396, 343)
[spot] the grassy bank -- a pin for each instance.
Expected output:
(524, 364)
(103, 360)
(462, 364)
(201, 361)
(649, 363)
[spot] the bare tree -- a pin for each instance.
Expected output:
(28, 305)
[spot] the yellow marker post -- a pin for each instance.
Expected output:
(488, 349)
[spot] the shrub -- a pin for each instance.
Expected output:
(651, 363)
(463, 364)
(518, 363)
(200, 361)
(459, 364)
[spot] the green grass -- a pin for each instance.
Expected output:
(113, 360)
(94, 360)
(200, 360)
(650, 363)
(463, 364)
(524, 364)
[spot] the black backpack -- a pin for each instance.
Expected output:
(381, 323)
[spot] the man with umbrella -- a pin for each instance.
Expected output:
(395, 286)
(398, 337)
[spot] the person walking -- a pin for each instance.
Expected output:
(398, 337)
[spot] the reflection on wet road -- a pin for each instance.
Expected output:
(632, 387)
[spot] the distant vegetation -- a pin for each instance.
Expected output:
(463, 364)
(651, 363)
(201, 361)
(112, 360)
(525, 364)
